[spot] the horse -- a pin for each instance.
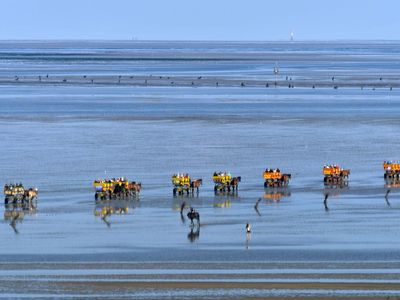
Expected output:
(193, 215)
(234, 183)
(345, 173)
(134, 188)
(285, 178)
(120, 191)
(195, 184)
(31, 194)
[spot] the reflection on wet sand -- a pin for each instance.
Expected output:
(225, 200)
(272, 195)
(248, 239)
(276, 194)
(390, 183)
(194, 233)
(16, 212)
(333, 190)
(222, 203)
(181, 203)
(106, 208)
(233, 193)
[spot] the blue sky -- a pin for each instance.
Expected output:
(200, 20)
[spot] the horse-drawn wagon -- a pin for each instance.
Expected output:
(182, 183)
(16, 193)
(224, 182)
(116, 188)
(335, 175)
(392, 169)
(275, 178)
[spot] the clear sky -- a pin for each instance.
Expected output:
(200, 20)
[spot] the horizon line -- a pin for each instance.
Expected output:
(196, 40)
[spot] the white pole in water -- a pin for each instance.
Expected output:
(291, 36)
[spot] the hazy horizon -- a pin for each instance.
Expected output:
(200, 21)
(199, 40)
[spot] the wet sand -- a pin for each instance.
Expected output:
(267, 81)
(202, 280)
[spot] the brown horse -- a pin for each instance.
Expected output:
(31, 194)
(345, 173)
(234, 183)
(134, 188)
(195, 184)
(285, 179)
